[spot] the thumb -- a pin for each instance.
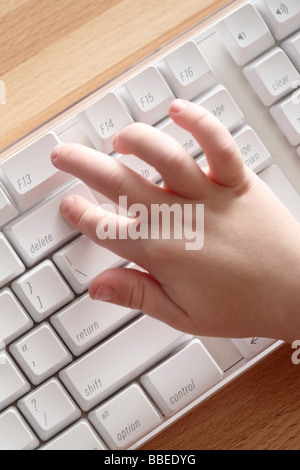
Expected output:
(138, 291)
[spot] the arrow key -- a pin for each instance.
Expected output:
(250, 347)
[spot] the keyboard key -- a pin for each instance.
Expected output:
(11, 266)
(86, 322)
(81, 261)
(13, 383)
(292, 48)
(14, 321)
(275, 179)
(49, 409)
(81, 436)
(125, 418)
(283, 18)
(29, 174)
(139, 166)
(15, 434)
(196, 372)
(147, 96)
(250, 347)
(254, 153)
(42, 230)
(105, 118)
(187, 71)
(287, 116)
(7, 209)
(42, 291)
(73, 131)
(272, 76)
(119, 360)
(245, 34)
(223, 351)
(40, 353)
(221, 104)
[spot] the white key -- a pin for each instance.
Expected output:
(223, 351)
(196, 372)
(81, 436)
(253, 151)
(125, 418)
(187, 71)
(287, 116)
(7, 209)
(40, 353)
(42, 230)
(73, 131)
(292, 48)
(86, 322)
(13, 383)
(29, 174)
(139, 166)
(81, 261)
(250, 347)
(282, 17)
(11, 266)
(42, 291)
(274, 178)
(14, 321)
(119, 360)
(245, 34)
(185, 138)
(147, 95)
(221, 104)
(272, 76)
(15, 434)
(104, 119)
(49, 409)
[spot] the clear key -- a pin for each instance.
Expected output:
(147, 95)
(272, 76)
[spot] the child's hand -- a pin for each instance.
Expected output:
(245, 280)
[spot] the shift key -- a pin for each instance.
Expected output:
(42, 230)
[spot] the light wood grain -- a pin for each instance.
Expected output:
(55, 52)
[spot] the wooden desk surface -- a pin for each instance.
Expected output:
(55, 52)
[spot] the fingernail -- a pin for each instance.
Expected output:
(55, 152)
(177, 106)
(105, 294)
(66, 204)
(115, 141)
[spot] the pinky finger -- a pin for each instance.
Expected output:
(138, 291)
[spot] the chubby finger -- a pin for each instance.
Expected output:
(138, 291)
(108, 229)
(226, 165)
(178, 169)
(104, 174)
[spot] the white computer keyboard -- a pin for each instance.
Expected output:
(79, 374)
